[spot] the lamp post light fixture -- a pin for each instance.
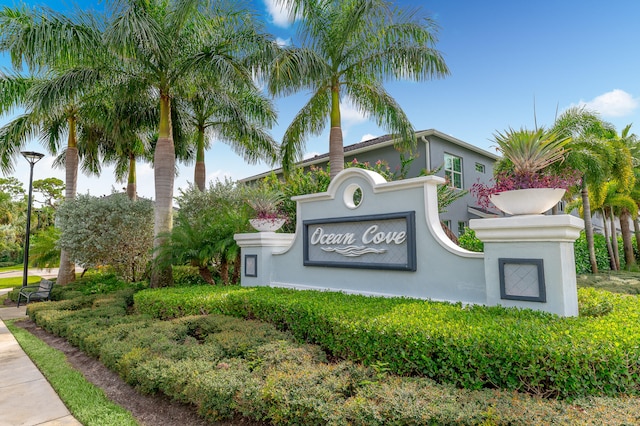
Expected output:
(32, 158)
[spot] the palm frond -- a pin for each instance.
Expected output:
(13, 136)
(311, 119)
(374, 100)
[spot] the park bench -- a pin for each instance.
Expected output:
(36, 292)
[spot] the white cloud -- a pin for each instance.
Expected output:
(283, 42)
(367, 136)
(144, 169)
(279, 14)
(616, 103)
(350, 114)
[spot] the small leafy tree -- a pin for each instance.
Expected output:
(111, 231)
(203, 231)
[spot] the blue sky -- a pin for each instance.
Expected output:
(505, 58)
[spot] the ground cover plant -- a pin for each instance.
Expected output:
(613, 281)
(229, 367)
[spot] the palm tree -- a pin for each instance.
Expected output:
(122, 133)
(49, 112)
(624, 167)
(591, 154)
(235, 115)
(169, 48)
(616, 203)
(349, 48)
(50, 120)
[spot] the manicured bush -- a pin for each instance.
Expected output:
(282, 382)
(472, 347)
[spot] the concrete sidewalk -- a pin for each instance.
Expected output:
(27, 397)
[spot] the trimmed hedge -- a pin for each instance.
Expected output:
(472, 347)
(228, 367)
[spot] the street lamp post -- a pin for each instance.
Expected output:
(32, 158)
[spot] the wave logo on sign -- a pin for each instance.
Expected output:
(353, 251)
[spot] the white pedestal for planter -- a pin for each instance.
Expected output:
(529, 261)
(257, 252)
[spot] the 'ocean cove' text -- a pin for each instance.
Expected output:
(370, 236)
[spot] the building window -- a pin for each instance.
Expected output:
(461, 228)
(479, 168)
(447, 223)
(453, 170)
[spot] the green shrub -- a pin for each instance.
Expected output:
(471, 347)
(275, 380)
(184, 275)
(469, 241)
(582, 254)
(595, 303)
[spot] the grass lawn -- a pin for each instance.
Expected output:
(87, 402)
(613, 281)
(17, 281)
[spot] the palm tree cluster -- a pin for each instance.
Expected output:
(156, 80)
(585, 154)
(607, 162)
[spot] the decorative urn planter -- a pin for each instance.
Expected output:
(527, 201)
(267, 224)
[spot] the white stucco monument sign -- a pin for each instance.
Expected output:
(368, 236)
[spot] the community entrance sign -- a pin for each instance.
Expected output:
(369, 236)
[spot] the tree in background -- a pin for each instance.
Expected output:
(236, 115)
(111, 232)
(13, 211)
(169, 48)
(590, 153)
(348, 49)
(47, 43)
(13, 208)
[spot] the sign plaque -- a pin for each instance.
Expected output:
(386, 241)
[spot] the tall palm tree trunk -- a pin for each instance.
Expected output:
(636, 228)
(336, 147)
(224, 271)
(200, 174)
(607, 238)
(164, 162)
(614, 240)
(627, 244)
(588, 227)
(132, 191)
(67, 270)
